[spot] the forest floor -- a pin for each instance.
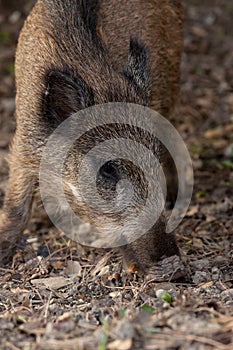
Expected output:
(80, 298)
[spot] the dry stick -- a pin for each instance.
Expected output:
(13, 347)
(47, 305)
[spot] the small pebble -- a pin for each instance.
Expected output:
(14, 17)
(159, 293)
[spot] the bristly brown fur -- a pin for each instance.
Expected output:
(73, 54)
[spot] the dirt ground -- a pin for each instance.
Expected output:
(57, 295)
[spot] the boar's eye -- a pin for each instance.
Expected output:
(107, 178)
(110, 172)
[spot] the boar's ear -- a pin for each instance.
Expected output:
(137, 68)
(65, 95)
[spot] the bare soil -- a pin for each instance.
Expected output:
(57, 295)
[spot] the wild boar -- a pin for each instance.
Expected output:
(73, 54)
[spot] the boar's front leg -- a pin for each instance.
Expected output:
(17, 204)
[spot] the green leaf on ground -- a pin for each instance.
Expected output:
(148, 308)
